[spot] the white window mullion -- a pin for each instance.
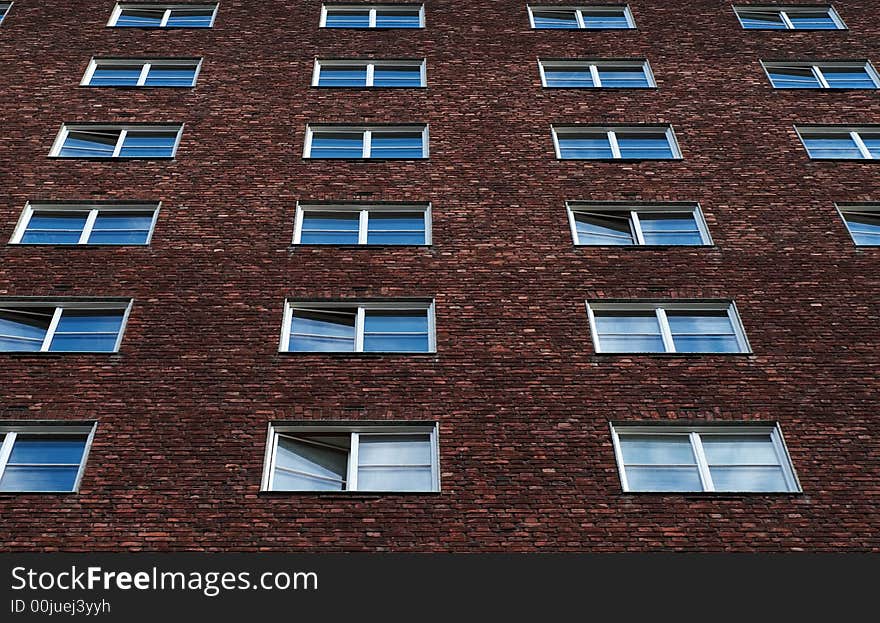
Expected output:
(665, 331)
(615, 148)
(270, 477)
(372, 18)
(371, 67)
(702, 463)
(118, 148)
(861, 145)
(368, 137)
(307, 149)
(285, 327)
(87, 228)
(636, 225)
(594, 73)
(817, 71)
(142, 79)
(363, 225)
(785, 20)
(580, 19)
(359, 330)
(352, 483)
(6, 450)
(50, 332)
(165, 17)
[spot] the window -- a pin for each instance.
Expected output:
(837, 75)
(43, 458)
(384, 327)
(130, 72)
(379, 73)
(666, 327)
(373, 142)
(710, 458)
(116, 141)
(87, 224)
(589, 74)
(629, 143)
(363, 224)
(607, 224)
(841, 143)
(379, 457)
(373, 16)
(592, 17)
(789, 18)
(863, 223)
(139, 15)
(4, 9)
(51, 326)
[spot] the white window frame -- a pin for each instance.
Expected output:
(578, 9)
(370, 67)
(611, 133)
(92, 210)
(123, 130)
(4, 10)
(373, 8)
(845, 208)
(120, 6)
(632, 211)
(816, 68)
(659, 308)
(783, 13)
(694, 432)
(353, 429)
(363, 224)
(367, 132)
(60, 305)
(854, 134)
(362, 307)
(12, 430)
(146, 65)
(593, 66)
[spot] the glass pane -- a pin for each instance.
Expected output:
(394, 450)
(331, 221)
(396, 221)
(347, 19)
(705, 344)
(764, 20)
(50, 237)
(171, 76)
(872, 142)
(663, 479)
(140, 18)
(289, 481)
(124, 220)
(328, 237)
(644, 146)
(699, 322)
(793, 78)
(116, 75)
(603, 229)
(864, 227)
(623, 77)
(839, 145)
(47, 449)
(394, 479)
(312, 456)
(301, 343)
(337, 145)
(74, 342)
(401, 18)
(38, 478)
(342, 76)
(118, 237)
(396, 238)
(89, 321)
(605, 18)
(331, 323)
(545, 18)
(631, 344)
(820, 19)
(85, 144)
(396, 145)
(657, 450)
(190, 18)
(28, 327)
(395, 321)
(670, 228)
(58, 220)
(739, 449)
(632, 322)
(397, 76)
(395, 343)
(148, 145)
(748, 479)
(568, 77)
(585, 145)
(13, 344)
(848, 78)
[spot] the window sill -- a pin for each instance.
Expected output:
(359, 495)
(364, 247)
(3, 494)
(310, 159)
(372, 28)
(715, 495)
(646, 247)
(619, 159)
(860, 160)
(325, 87)
(652, 88)
(71, 247)
(20, 354)
(111, 159)
(129, 87)
(672, 355)
(347, 355)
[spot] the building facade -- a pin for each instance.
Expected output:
(488, 276)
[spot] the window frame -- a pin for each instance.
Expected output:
(5, 7)
(660, 307)
(578, 9)
(845, 208)
(11, 430)
(816, 68)
(572, 207)
(353, 429)
(611, 132)
(694, 433)
(123, 129)
(92, 209)
(147, 63)
(370, 65)
(783, 12)
(364, 208)
(120, 6)
(367, 132)
(373, 9)
(77, 303)
(593, 65)
(854, 132)
(362, 305)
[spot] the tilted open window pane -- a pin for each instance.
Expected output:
(793, 77)
(311, 462)
(4, 9)
(90, 144)
(555, 18)
(863, 224)
(41, 462)
(761, 19)
(140, 18)
(327, 330)
(604, 229)
(24, 329)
